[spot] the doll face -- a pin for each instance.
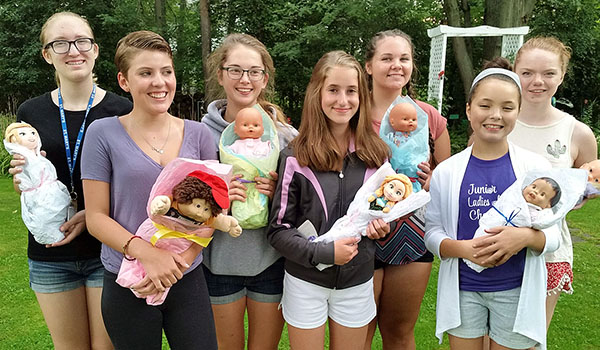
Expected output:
(27, 137)
(593, 169)
(198, 209)
(248, 124)
(540, 193)
(403, 117)
(394, 190)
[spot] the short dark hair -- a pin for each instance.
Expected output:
(556, 189)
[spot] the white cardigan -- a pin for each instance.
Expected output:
(441, 221)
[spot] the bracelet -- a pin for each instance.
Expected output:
(126, 245)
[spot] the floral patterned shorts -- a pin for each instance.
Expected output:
(560, 277)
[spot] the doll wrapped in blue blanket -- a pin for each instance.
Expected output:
(251, 146)
(405, 130)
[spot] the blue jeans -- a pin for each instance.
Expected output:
(62, 276)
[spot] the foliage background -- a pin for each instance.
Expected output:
(296, 33)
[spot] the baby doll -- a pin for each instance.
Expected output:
(249, 128)
(541, 195)
(200, 199)
(384, 183)
(403, 119)
(197, 204)
(405, 130)
(592, 189)
(393, 189)
(251, 146)
(44, 199)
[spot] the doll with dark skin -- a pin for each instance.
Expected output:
(393, 189)
(403, 118)
(200, 202)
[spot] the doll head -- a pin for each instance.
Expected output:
(201, 196)
(593, 169)
(403, 117)
(24, 135)
(543, 192)
(395, 187)
(248, 124)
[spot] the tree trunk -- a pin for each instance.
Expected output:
(160, 9)
(206, 39)
(504, 14)
(464, 59)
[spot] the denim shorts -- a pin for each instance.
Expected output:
(491, 313)
(266, 287)
(62, 276)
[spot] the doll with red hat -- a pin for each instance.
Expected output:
(188, 215)
(200, 198)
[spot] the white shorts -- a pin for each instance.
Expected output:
(307, 305)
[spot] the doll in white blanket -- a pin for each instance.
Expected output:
(540, 196)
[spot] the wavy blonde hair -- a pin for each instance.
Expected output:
(400, 177)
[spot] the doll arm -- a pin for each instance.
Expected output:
(160, 205)
(371, 198)
(388, 206)
(227, 224)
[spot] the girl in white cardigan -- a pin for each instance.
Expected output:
(506, 301)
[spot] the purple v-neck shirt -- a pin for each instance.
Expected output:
(110, 155)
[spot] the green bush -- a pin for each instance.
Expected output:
(5, 120)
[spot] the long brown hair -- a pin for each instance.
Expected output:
(218, 57)
(315, 145)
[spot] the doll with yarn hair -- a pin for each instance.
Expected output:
(196, 204)
(44, 199)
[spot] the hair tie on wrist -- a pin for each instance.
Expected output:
(126, 245)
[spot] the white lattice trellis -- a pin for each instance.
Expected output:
(512, 39)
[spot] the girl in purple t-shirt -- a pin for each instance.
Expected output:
(505, 301)
(124, 157)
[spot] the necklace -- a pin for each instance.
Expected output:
(160, 150)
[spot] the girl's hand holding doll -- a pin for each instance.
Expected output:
(162, 267)
(504, 242)
(71, 229)
(378, 229)
(345, 249)
(424, 175)
(267, 186)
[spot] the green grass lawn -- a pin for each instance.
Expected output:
(575, 324)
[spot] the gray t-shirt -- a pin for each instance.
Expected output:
(111, 156)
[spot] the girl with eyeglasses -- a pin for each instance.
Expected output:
(67, 276)
(245, 273)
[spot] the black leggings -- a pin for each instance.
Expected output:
(186, 316)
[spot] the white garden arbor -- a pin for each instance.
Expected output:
(512, 40)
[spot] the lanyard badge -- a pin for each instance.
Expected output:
(72, 160)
